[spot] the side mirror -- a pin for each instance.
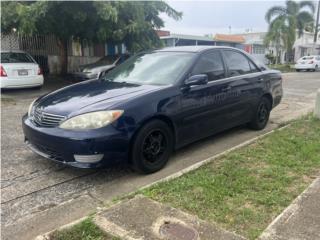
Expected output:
(199, 79)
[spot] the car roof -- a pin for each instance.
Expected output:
(194, 49)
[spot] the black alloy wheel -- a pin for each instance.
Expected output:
(152, 147)
(261, 116)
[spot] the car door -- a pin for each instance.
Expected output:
(203, 107)
(245, 86)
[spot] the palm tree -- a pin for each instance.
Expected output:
(287, 19)
(276, 36)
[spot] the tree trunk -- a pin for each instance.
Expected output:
(63, 45)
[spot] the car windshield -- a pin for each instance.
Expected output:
(12, 57)
(156, 68)
(307, 58)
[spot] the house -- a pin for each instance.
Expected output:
(172, 40)
(254, 44)
(304, 45)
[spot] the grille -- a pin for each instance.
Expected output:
(45, 119)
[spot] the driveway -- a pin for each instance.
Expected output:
(38, 195)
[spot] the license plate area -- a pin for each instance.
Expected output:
(23, 72)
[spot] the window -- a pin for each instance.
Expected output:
(153, 68)
(14, 57)
(253, 67)
(210, 64)
(237, 63)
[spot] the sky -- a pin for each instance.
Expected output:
(210, 17)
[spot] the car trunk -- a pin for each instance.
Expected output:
(20, 69)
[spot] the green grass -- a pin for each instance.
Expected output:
(85, 230)
(282, 67)
(246, 189)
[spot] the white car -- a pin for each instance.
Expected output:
(19, 70)
(311, 63)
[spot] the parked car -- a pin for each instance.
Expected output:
(311, 63)
(151, 104)
(99, 68)
(19, 70)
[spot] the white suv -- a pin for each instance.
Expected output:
(308, 63)
(19, 70)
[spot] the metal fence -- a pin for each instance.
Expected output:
(38, 46)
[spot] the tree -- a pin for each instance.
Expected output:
(277, 36)
(133, 23)
(289, 18)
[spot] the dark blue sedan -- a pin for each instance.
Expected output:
(150, 105)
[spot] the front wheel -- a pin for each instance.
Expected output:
(152, 147)
(261, 115)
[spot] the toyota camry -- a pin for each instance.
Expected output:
(155, 102)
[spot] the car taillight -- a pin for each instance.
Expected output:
(40, 71)
(311, 62)
(2, 72)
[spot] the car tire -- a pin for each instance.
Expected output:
(261, 115)
(152, 147)
(298, 70)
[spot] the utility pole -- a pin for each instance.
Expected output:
(317, 24)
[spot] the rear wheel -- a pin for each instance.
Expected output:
(261, 116)
(152, 147)
(298, 70)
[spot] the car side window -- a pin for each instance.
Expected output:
(210, 64)
(237, 63)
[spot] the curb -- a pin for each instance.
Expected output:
(208, 160)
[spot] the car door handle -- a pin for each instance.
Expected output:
(226, 89)
(260, 79)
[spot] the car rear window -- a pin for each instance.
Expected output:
(10, 57)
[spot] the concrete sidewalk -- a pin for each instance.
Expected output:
(143, 218)
(301, 220)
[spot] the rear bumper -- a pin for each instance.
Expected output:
(21, 82)
(61, 145)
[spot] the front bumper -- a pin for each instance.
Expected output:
(61, 145)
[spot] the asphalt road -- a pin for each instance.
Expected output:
(38, 195)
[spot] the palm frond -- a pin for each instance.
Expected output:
(274, 12)
(308, 4)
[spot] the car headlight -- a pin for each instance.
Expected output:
(30, 110)
(91, 120)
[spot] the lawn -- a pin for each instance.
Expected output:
(85, 230)
(245, 190)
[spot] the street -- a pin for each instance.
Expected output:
(39, 195)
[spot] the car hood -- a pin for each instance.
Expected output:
(95, 65)
(90, 96)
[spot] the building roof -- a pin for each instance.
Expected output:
(229, 38)
(163, 33)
